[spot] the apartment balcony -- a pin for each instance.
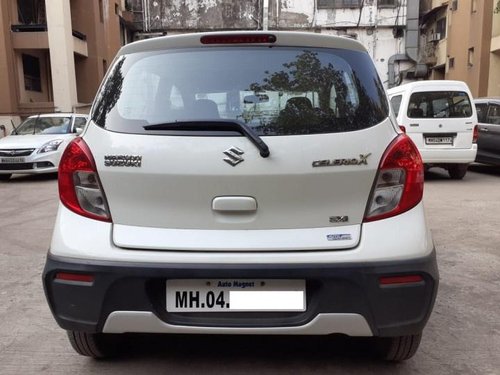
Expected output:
(36, 37)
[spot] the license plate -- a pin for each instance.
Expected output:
(439, 140)
(12, 160)
(235, 295)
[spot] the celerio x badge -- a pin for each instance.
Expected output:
(363, 160)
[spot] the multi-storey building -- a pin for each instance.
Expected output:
(494, 74)
(388, 28)
(456, 41)
(54, 53)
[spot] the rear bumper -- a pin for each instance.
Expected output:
(448, 155)
(341, 298)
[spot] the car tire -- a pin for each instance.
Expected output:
(5, 177)
(457, 171)
(399, 348)
(95, 345)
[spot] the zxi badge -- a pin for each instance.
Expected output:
(233, 156)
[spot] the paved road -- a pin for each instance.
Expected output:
(462, 337)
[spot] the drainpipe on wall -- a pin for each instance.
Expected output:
(411, 45)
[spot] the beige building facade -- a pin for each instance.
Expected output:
(494, 75)
(457, 41)
(54, 53)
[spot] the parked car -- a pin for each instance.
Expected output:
(242, 183)
(440, 119)
(36, 145)
(488, 142)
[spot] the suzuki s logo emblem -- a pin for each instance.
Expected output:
(13, 153)
(233, 156)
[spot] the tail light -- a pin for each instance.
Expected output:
(475, 134)
(79, 187)
(399, 185)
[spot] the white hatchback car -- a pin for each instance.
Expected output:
(36, 145)
(242, 183)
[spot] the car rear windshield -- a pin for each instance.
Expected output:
(44, 125)
(439, 104)
(275, 91)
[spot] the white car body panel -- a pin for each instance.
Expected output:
(289, 192)
(462, 150)
(344, 237)
(402, 237)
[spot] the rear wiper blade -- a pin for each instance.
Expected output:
(216, 125)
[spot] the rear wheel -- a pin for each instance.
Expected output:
(457, 171)
(398, 348)
(95, 345)
(5, 177)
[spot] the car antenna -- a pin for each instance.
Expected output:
(14, 126)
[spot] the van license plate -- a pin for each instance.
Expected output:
(235, 295)
(439, 140)
(12, 160)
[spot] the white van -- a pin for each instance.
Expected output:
(440, 119)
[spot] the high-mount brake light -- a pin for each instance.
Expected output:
(238, 39)
(79, 187)
(399, 184)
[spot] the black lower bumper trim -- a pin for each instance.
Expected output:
(330, 288)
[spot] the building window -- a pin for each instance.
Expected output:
(117, 9)
(32, 77)
(470, 57)
(387, 3)
(104, 67)
(441, 28)
(31, 12)
(451, 63)
(329, 4)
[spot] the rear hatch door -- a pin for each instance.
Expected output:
(440, 119)
(322, 112)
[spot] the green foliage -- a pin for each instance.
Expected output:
(497, 9)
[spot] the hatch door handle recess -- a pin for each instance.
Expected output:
(216, 125)
(234, 204)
